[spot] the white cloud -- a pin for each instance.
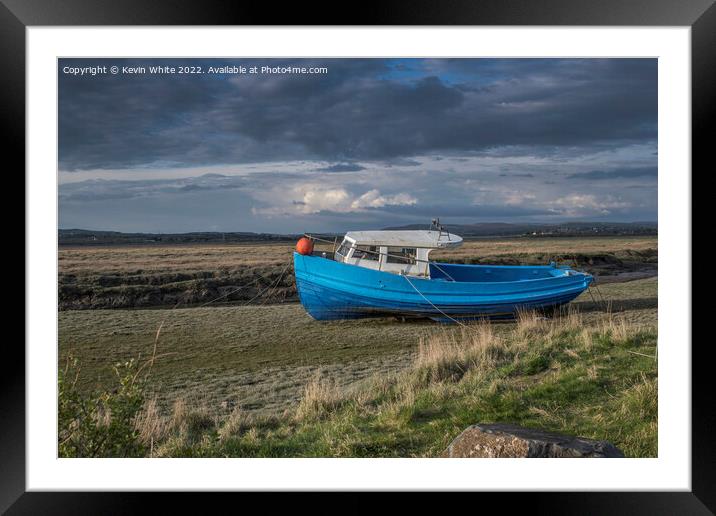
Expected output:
(517, 198)
(318, 199)
(373, 199)
(306, 198)
(277, 195)
(312, 198)
(575, 205)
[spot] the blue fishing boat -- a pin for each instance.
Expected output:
(389, 273)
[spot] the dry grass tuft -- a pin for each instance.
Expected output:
(236, 423)
(616, 327)
(529, 321)
(569, 319)
(320, 396)
(104, 416)
(571, 353)
(196, 423)
(449, 356)
(179, 411)
(621, 330)
(642, 399)
(441, 355)
(151, 426)
(593, 372)
(584, 339)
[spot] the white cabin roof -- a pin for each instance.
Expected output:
(406, 238)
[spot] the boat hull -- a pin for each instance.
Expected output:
(331, 290)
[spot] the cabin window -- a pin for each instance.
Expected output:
(364, 252)
(344, 248)
(402, 255)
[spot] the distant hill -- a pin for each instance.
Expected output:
(496, 229)
(483, 229)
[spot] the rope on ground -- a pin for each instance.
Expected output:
(601, 303)
(589, 289)
(272, 286)
(230, 292)
(207, 303)
(275, 285)
(154, 356)
(596, 287)
(641, 354)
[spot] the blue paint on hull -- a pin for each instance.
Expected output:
(332, 290)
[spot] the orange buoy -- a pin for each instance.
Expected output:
(304, 246)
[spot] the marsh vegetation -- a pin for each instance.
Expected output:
(264, 379)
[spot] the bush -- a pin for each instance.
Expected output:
(100, 424)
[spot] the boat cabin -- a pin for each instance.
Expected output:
(400, 252)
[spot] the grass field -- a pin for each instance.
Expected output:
(209, 257)
(267, 380)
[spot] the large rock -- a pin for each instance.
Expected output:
(502, 440)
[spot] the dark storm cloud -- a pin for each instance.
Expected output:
(617, 173)
(362, 109)
(402, 162)
(101, 190)
(341, 167)
(373, 143)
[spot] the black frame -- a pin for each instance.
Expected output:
(700, 15)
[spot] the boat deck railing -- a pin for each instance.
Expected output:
(329, 255)
(410, 260)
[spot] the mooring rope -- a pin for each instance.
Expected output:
(150, 362)
(596, 287)
(271, 286)
(181, 301)
(231, 292)
(433, 305)
(642, 354)
(441, 270)
(589, 290)
(275, 285)
(602, 302)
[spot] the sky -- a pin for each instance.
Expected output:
(355, 144)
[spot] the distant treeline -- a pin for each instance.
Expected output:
(88, 237)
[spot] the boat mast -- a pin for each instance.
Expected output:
(435, 223)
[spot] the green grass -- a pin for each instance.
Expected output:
(591, 382)
(269, 381)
